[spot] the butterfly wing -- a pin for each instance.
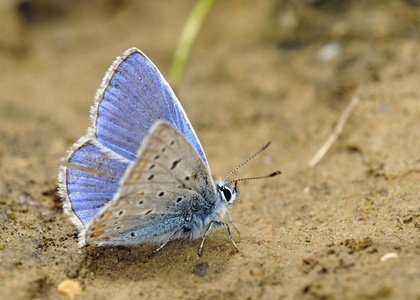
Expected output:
(90, 180)
(159, 192)
(132, 97)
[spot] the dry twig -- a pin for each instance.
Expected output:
(337, 131)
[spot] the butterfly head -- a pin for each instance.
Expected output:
(228, 191)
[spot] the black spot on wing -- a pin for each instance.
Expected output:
(148, 212)
(175, 163)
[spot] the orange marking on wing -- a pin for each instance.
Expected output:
(107, 215)
(99, 226)
(136, 176)
(98, 234)
(123, 203)
(139, 171)
(143, 165)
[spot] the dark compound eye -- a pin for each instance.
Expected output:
(227, 193)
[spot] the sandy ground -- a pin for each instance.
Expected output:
(254, 75)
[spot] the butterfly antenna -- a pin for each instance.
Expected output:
(259, 177)
(249, 158)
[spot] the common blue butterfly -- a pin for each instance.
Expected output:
(140, 175)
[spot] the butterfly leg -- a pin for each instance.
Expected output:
(204, 237)
(221, 223)
(231, 221)
(167, 241)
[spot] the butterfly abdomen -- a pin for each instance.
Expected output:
(198, 215)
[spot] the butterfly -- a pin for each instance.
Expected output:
(140, 175)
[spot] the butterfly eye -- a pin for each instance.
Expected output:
(227, 193)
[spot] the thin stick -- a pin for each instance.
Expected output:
(337, 131)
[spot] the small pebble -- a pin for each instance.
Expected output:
(329, 52)
(69, 288)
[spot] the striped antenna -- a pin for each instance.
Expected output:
(259, 177)
(251, 157)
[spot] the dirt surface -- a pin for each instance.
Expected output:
(347, 229)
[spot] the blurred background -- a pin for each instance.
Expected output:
(262, 70)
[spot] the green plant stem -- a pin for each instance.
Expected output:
(188, 35)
